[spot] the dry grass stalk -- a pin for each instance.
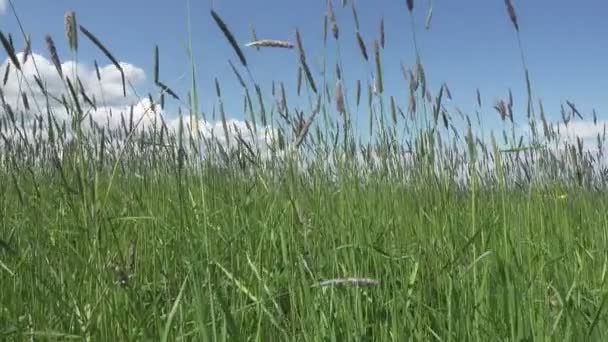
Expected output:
(10, 50)
(349, 282)
(50, 45)
(273, 43)
(512, 15)
(220, 23)
(70, 30)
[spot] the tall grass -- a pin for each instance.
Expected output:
(293, 226)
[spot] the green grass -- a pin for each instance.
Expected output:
(133, 235)
(248, 262)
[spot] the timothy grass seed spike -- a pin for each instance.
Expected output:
(220, 23)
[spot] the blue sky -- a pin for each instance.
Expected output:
(471, 44)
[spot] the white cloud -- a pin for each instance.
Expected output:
(108, 91)
(3, 5)
(112, 106)
(583, 129)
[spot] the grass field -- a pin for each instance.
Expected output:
(157, 231)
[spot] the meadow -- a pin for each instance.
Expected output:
(297, 225)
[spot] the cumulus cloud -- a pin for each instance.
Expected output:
(568, 134)
(108, 90)
(113, 108)
(582, 129)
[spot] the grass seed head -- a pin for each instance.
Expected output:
(339, 97)
(332, 18)
(70, 30)
(362, 46)
(50, 45)
(224, 28)
(271, 43)
(382, 33)
(512, 15)
(27, 50)
(10, 50)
